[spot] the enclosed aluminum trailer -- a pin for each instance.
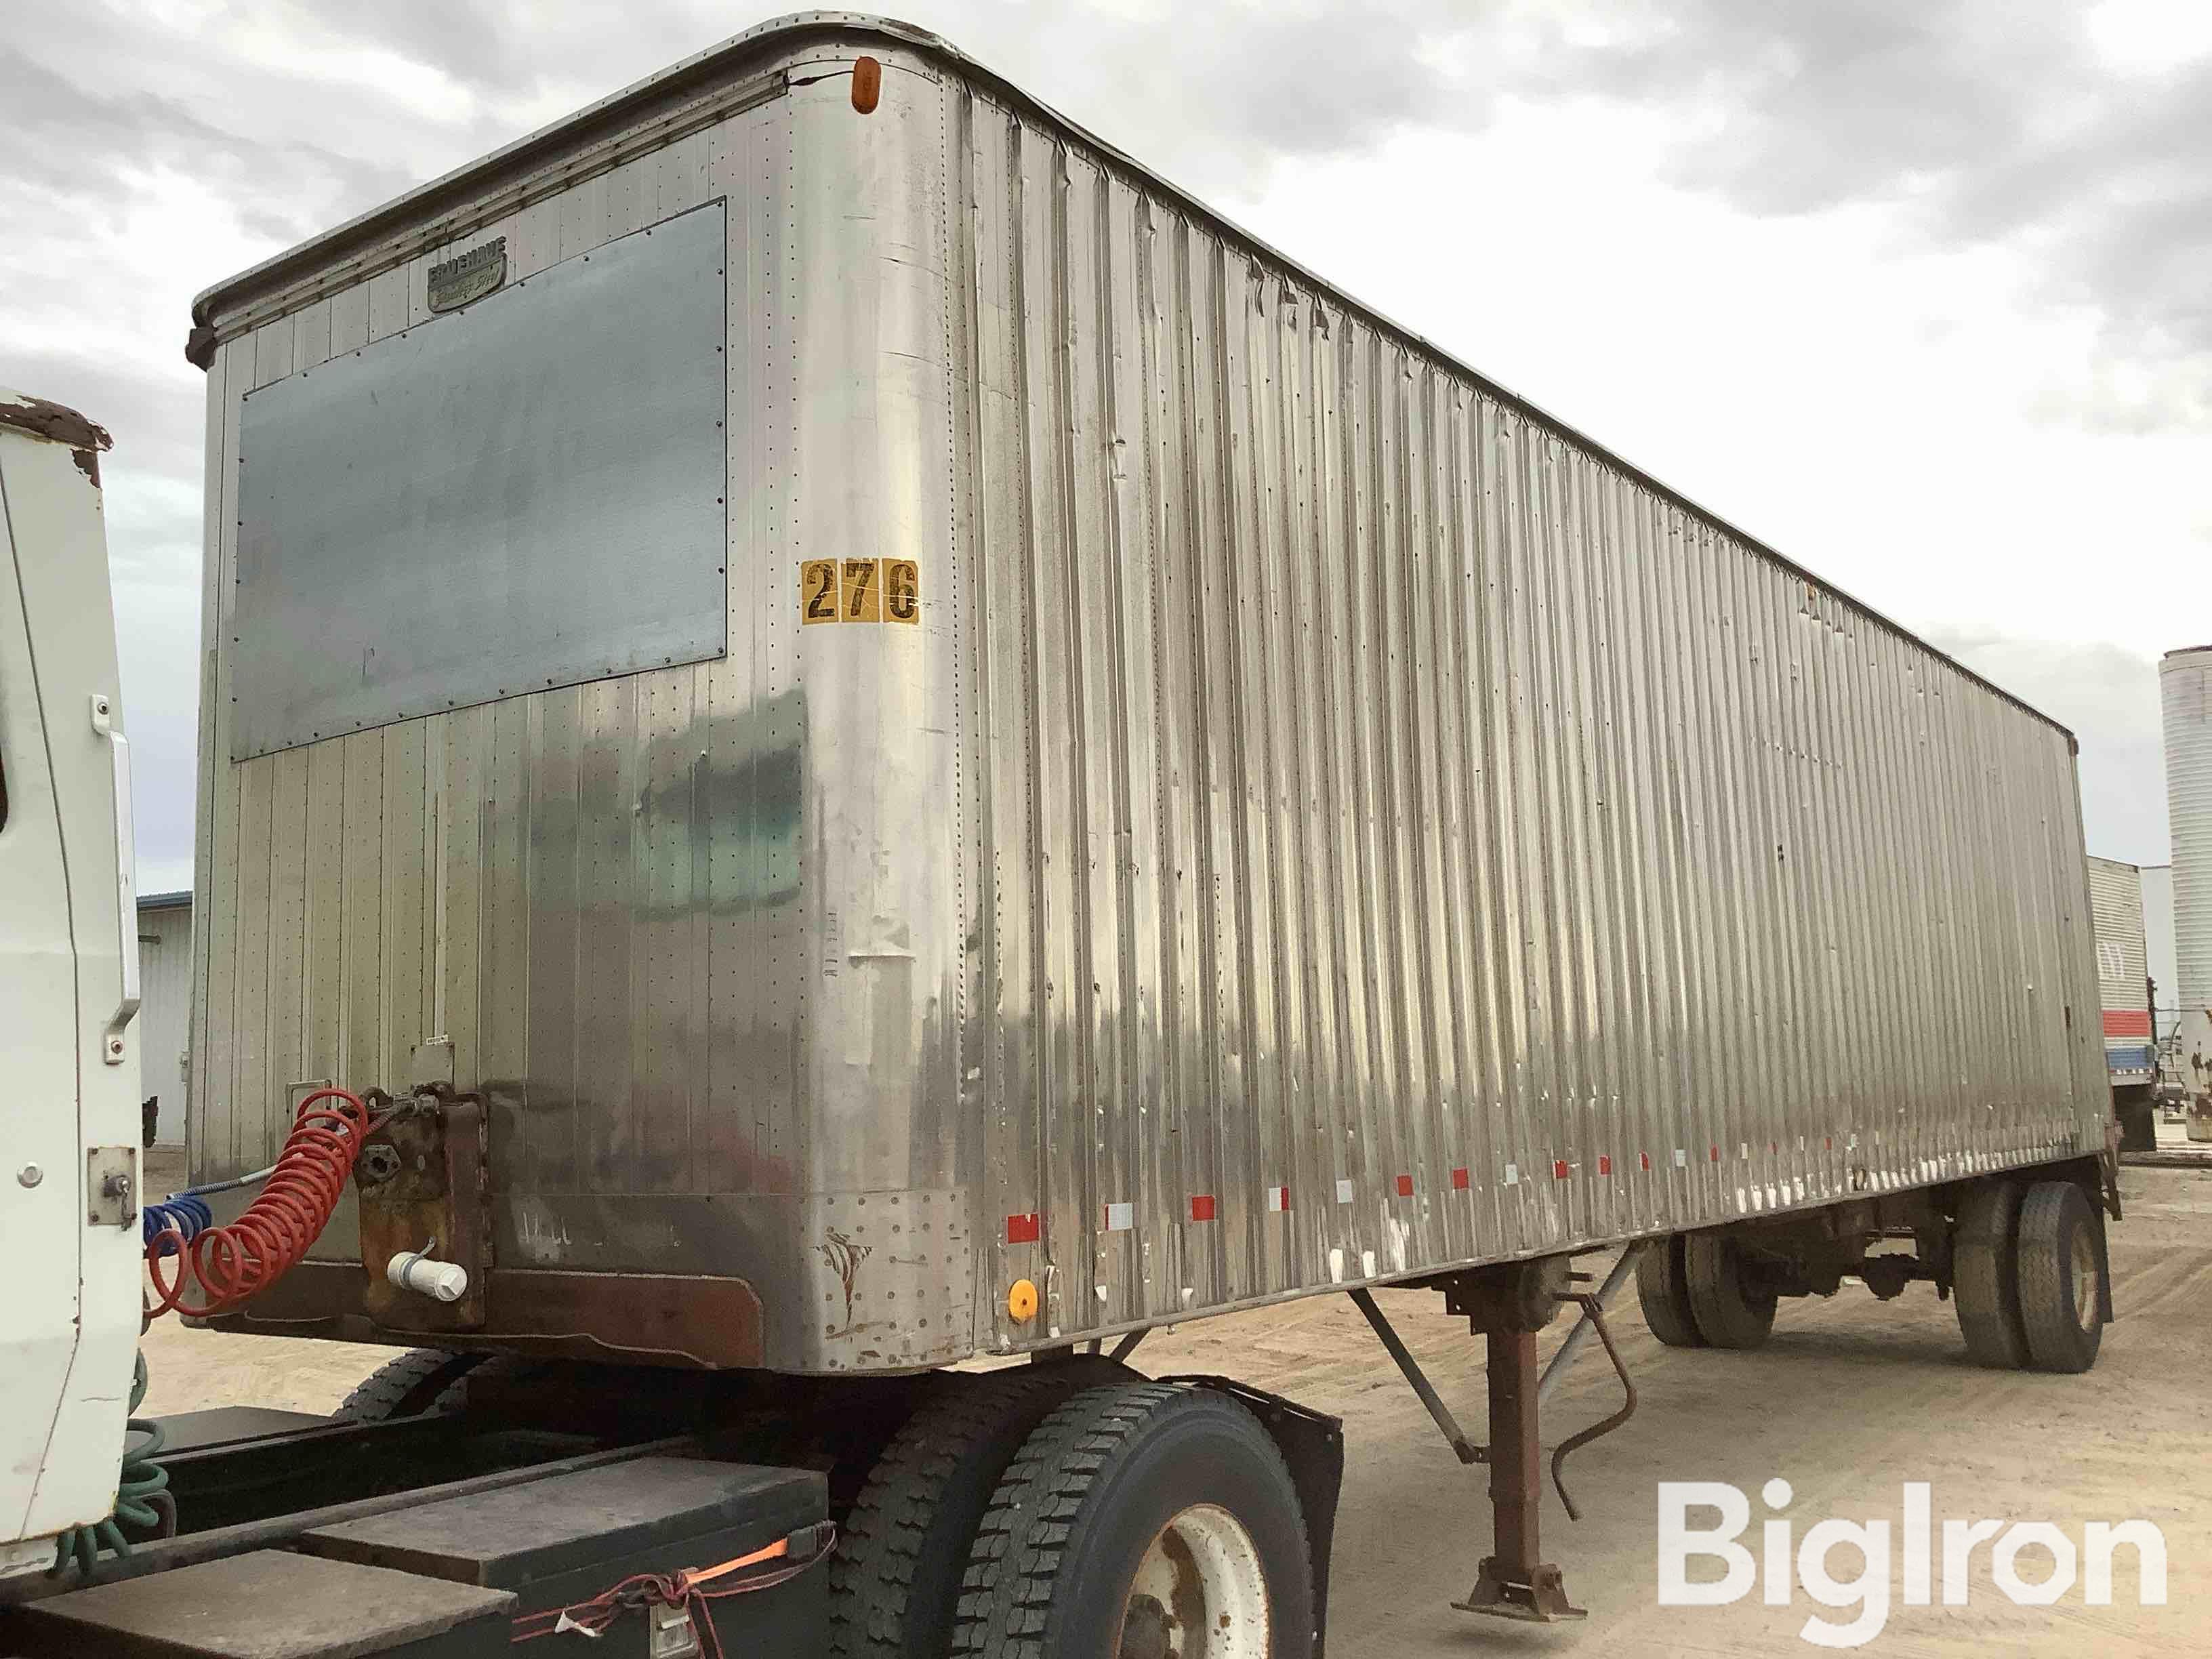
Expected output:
(2116, 912)
(963, 758)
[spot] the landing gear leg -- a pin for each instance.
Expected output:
(1515, 1581)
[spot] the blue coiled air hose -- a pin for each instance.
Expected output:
(141, 1496)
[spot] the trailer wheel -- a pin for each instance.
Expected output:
(1136, 1523)
(1662, 1287)
(1732, 1310)
(2061, 1271)
(1984, 1280)
(421, 1380)
(894, 1581)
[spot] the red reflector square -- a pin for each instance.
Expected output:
(1022, 1228)
(1716, 1154)
(1405, 1186)
(1644, 1158)
(1604, 1164)
(1459, 1179)
(1201, 1206)
(1559, 1170)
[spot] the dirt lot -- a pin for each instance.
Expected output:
(1851, 1399)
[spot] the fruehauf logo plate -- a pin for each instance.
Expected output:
(469, 275)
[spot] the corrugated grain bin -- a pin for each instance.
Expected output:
(924, 713)
(2184, 679)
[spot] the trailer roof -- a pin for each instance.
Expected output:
(717, 63)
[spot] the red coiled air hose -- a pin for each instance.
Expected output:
(232, 1264)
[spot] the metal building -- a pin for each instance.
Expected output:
(163, 1027)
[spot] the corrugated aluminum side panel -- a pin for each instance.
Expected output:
(1393, 807)
(2185, 680)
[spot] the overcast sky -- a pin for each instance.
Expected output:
(1919, 290)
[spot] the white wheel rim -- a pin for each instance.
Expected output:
(2085, 1278)
(1199, 1593)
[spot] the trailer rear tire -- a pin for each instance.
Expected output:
(1984, 1284)
(419, 1381)
(1663, 1288)
(1133, 1514)
(1732, 1310)
(894, 1581)
(2061, 1271)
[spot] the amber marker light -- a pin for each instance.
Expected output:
(867, 84)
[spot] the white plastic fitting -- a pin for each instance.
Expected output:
(442, 1281)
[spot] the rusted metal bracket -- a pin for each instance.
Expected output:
(1465, 1449)
(422, 1176)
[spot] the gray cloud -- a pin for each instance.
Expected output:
(1988, 122)
(1983, 122)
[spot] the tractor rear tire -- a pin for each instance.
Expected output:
(894, 1581)
(1151, 1519)
(420, 1381)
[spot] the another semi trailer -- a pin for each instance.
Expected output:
(2123, 987)
(866, 740)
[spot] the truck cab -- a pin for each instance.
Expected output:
(69, 988)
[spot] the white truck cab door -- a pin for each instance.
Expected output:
(68, 1109)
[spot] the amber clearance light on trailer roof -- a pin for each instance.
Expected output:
(867, 84)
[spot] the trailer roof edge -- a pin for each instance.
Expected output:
(703, 68)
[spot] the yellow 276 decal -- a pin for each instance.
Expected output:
(859, 590)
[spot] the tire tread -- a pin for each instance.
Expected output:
(1663, 1289)
(2056, 1340)
(411, 1384)
(1984, 1283)
(1006, 1600)
(1726, 1316)
(901, 1515)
